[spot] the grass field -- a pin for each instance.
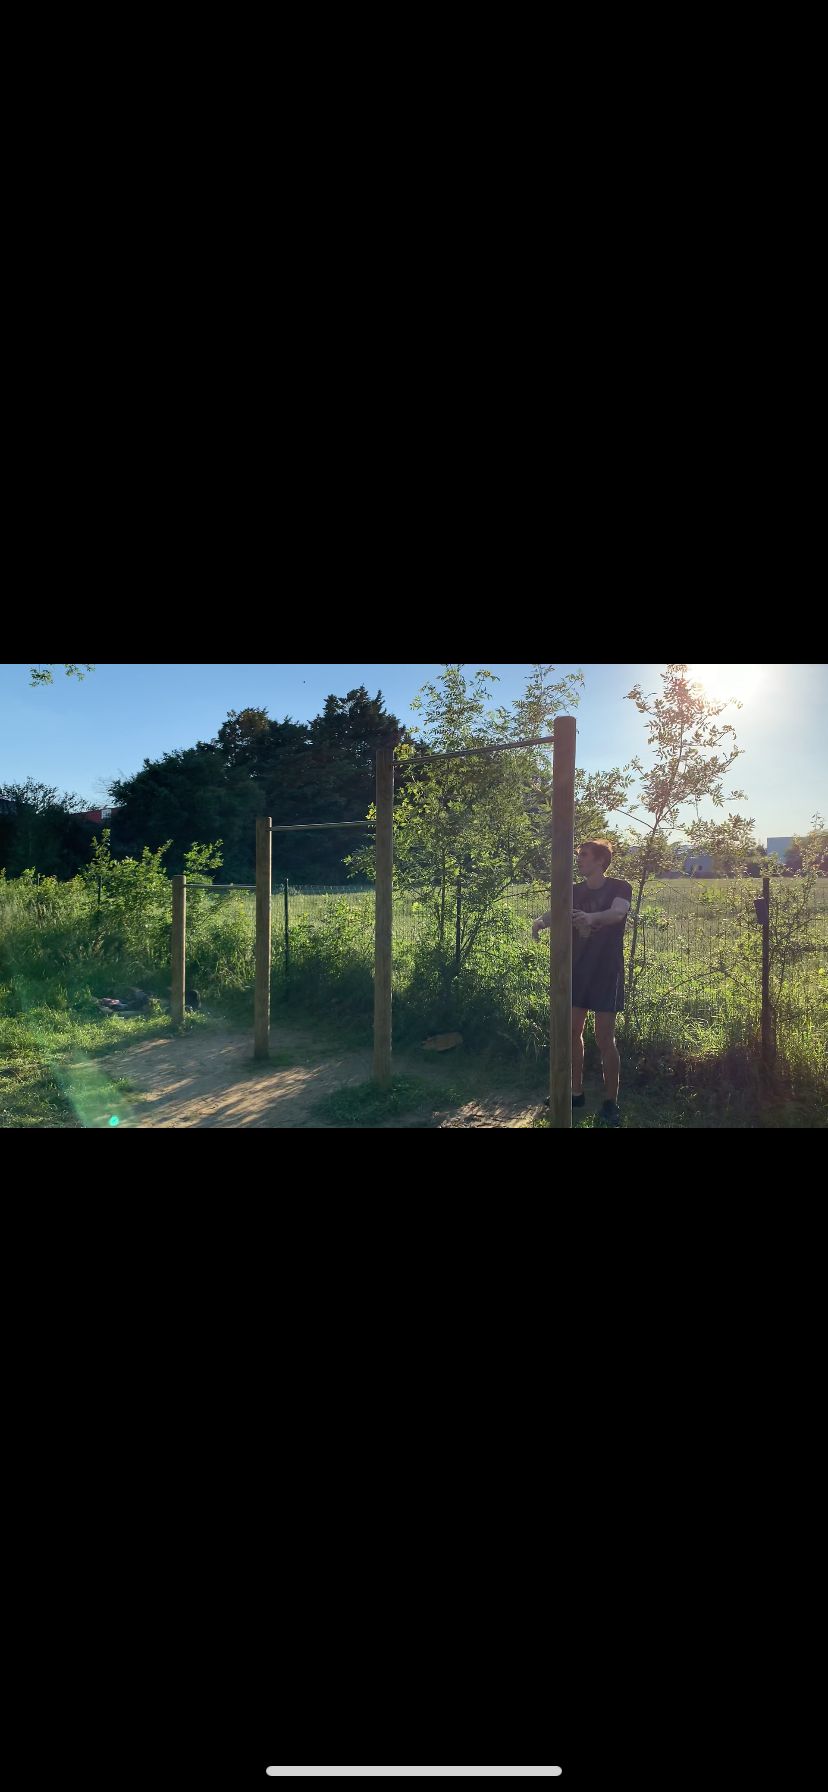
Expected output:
(688, 1041)
(698, 987)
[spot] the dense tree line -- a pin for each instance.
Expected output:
(315, 771)
(43, 831)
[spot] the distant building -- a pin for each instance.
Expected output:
(698, 864)
(98, 815)
(779, 845)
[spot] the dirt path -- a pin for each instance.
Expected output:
(209, 1078)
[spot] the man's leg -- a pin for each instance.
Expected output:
(578, 1017)
(610, 1058)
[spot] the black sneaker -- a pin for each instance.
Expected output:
(610, 1114)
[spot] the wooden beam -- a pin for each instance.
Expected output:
(384, 916)
(560, 924)
(261, 1003)
(178, 949)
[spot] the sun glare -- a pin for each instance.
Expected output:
(741, 682)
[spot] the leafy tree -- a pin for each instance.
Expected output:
(332, 778)
(692, 754)
(792, 934)
(189, 794)
(467, 828)
(244, 736)
(808, 853)
(731, 844)
(43, 831)
(43, 674)
(316, 771)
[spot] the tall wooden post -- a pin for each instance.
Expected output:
(767, 1046)
(458, 932)
(287, 933)
(261, 1007)
(178, 949)
(384, 916)
(560, 926)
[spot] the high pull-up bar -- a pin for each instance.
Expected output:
(506, 746)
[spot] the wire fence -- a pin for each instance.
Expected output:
(696, 984)
(698, 952)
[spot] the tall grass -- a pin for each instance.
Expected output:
(696, 995)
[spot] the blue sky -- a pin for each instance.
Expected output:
(79, 735)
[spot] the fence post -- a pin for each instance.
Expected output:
(384, 915)
(560, 924)
(287, 931)
(457, 935)
(261, 1001)
(767, 1048)
(178, 949)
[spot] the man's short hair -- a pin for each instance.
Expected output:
(601, 848)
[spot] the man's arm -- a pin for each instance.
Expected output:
(541, 922)
(610, 917)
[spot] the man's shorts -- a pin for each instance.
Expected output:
(604, 995)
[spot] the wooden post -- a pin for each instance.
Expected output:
(384, 916)
(178, 949)
(560, 926)
(287, 933)
(261, 1006)
(766, 1013)
(458, 934)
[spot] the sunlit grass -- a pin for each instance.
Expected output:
(696, 1003)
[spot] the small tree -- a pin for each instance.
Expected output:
(808, 853)
(465, 829)
(792, 915)
(692, 755)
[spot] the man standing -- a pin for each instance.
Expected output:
(600, 907)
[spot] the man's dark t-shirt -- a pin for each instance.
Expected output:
(598, 957)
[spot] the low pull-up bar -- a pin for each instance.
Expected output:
(307, 827)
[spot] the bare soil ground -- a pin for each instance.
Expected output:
(209, 1078)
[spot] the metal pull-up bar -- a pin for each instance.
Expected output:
(506, 746)
(307, 827)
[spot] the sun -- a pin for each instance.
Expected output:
(739, 681)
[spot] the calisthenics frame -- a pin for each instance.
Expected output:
(560, 932)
